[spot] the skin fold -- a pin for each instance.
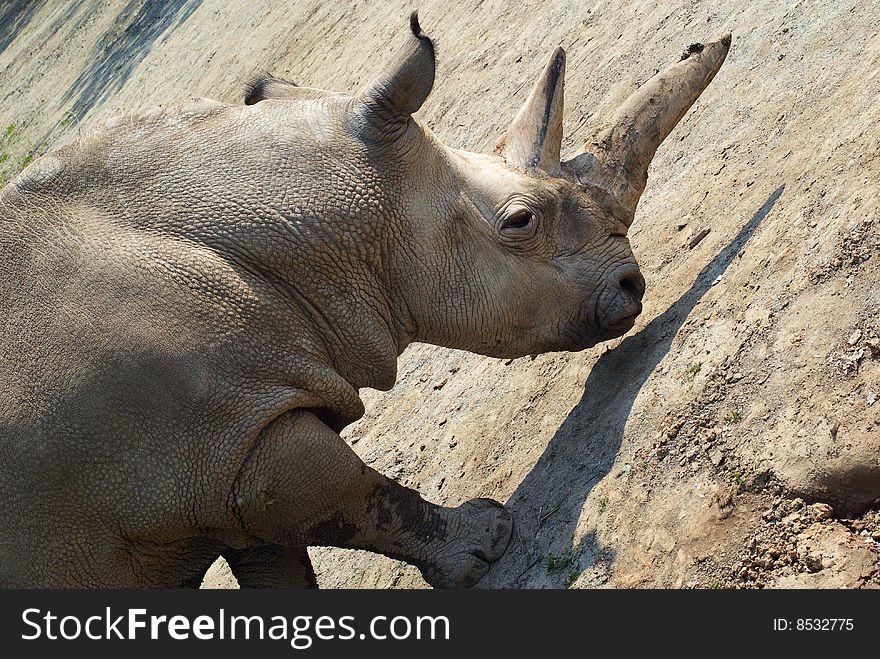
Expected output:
(191, 299)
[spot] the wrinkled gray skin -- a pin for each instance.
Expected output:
(191, 299)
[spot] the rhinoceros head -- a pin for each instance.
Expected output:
(518, 252)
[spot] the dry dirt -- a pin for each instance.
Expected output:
(732, 439)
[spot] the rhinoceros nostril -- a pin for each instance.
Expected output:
(634, 284)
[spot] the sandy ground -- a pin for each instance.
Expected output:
(732, 438)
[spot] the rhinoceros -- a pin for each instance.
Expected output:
(192, 298)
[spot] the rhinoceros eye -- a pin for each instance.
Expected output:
(518, 220)
(518, 224)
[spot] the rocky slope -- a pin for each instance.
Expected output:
(732, 438)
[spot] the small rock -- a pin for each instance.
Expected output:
(873, 345)
(854, 337)
(821, 511)
(708, 435)
(812, 561)
(870, 397)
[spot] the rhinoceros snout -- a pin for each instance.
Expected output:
(620, 302)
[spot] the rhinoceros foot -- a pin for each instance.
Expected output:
(479, 531)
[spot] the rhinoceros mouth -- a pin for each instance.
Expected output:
(620, 327)
(620, 314)
(610, 314)
(619, 304)
(616, 312)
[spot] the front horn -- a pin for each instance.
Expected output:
(616, 159)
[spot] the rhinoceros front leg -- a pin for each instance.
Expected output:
(272, 566)
(303, 485)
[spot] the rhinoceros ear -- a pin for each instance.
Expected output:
(264, 86)
(535, 136)
(404, 84)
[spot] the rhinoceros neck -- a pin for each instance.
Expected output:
(331, 304)
(329, 272)
(355, 326)
(288, 207)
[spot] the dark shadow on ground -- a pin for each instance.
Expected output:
(548, 502)
(140, 25)
(15, 15)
